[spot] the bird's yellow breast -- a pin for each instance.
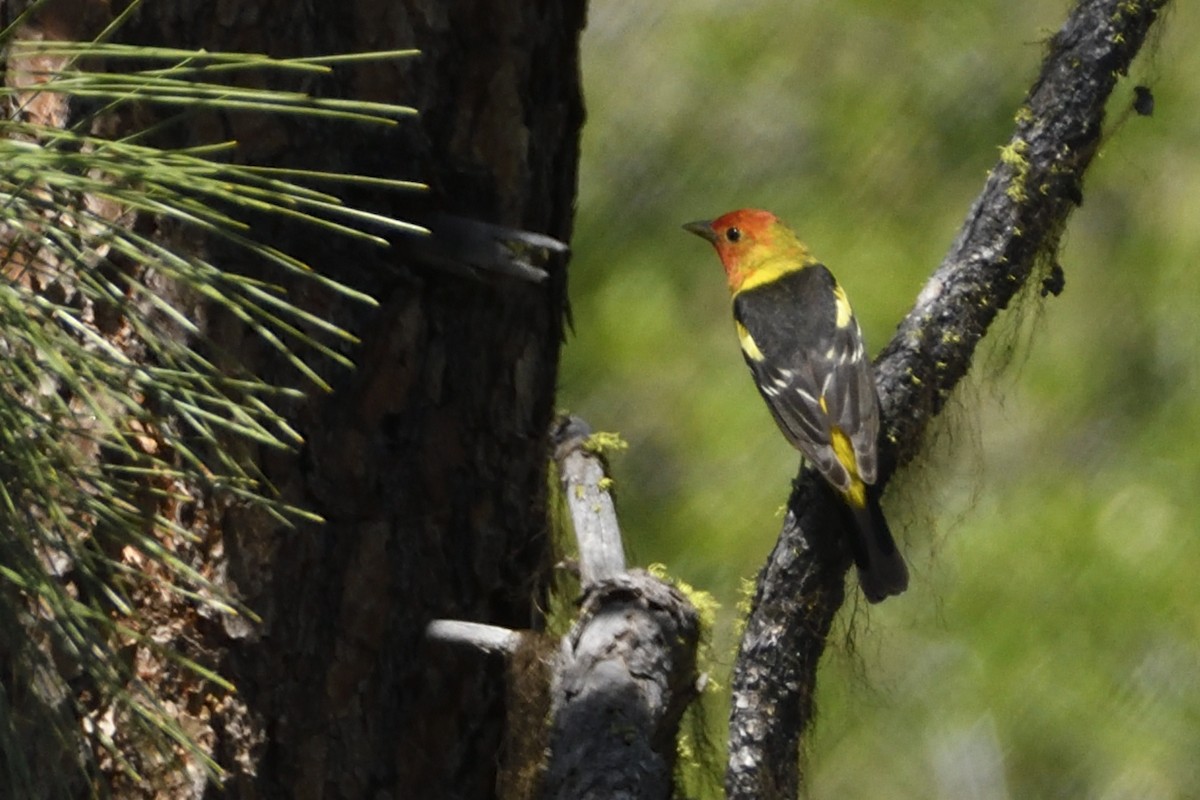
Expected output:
(770, 268)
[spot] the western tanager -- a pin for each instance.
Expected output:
(805, 350)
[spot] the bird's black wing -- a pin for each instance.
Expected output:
(805, 351)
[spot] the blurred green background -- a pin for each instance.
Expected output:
(1050, 643)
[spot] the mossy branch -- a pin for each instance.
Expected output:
(1013, 227)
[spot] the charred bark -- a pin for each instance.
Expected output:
(429, 461)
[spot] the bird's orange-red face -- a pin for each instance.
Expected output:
(741, 238)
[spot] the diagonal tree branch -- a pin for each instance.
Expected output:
(1014, 225)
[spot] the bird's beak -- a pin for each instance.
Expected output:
(703, 229)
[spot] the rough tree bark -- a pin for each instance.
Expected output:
(429, 462)
(1012, 228)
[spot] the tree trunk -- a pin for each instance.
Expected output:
(429, 461)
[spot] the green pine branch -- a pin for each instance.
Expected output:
(106, 427)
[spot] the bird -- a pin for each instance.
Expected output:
(805, 350)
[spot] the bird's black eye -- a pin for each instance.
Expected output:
(733, 234)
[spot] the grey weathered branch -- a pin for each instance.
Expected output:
(471, 246)
(593, 515)
(488, 638)
(623, 675)
(1014, 224)
(627, 669)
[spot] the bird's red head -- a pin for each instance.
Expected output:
(748, 239)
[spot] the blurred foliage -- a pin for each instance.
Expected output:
(1049, 645)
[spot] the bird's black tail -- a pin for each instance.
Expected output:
(881, 569)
